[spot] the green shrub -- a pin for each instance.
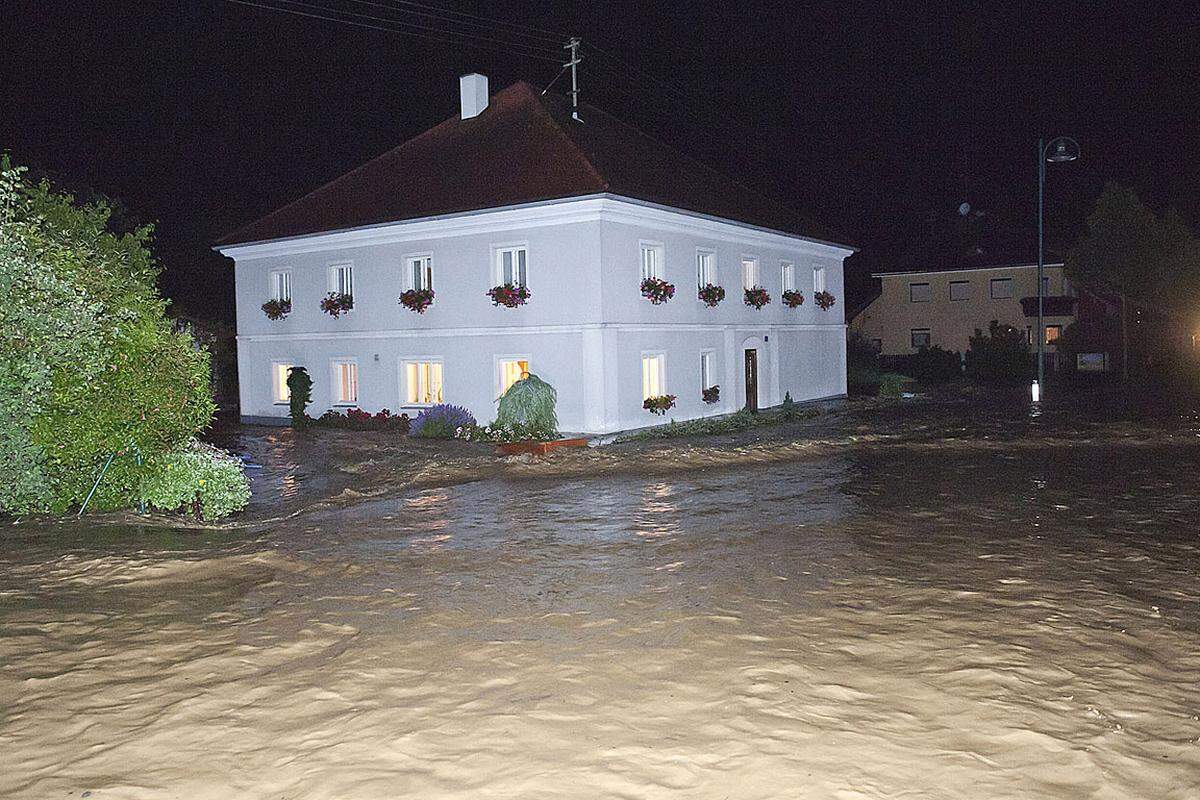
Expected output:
(891, 385)
(197, 477)
(863, 381)
(299, 385)
(929, 364)
(999, 357)
(528, 405)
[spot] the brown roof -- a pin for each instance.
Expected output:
(523, 148)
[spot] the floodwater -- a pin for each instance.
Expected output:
(970, 604)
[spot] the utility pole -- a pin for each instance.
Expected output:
(573, 46)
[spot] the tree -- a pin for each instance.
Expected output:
(999, 357)
(299, 395)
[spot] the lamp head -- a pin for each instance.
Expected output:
(1061, 150)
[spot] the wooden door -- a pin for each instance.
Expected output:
(752, 380)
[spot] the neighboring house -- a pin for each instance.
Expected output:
(943, 306)
(514, 191)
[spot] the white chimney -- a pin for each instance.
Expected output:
(473, 94)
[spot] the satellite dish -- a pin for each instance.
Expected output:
(964, 209)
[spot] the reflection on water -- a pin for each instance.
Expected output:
(958, 609)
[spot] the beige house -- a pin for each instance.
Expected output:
(944, 306)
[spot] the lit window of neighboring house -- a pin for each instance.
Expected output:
(1001, 288)
(512, 265)
(706, 268)
(345, 383)
(706, 369)
(919, 338)
(281, 285)
(654, 381)
(919, 293)
(280, 393)
(341, 279)
(818, 279)
(1052, 333)
(787, 277)
(653, 256)
(509, 371)
(960, 290)
(420, 272)
(749, 273)
(422, 382)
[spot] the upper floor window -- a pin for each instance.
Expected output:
(1001, 288)
(706, 268)
(919, 337)
(653, 256)
(818, 279)
(749, 273)
(345, 383)
(512, 265)
(281, 285)
(280, 393)
(1045, 284)
(420, 272)
(707, 372)
(341, 279)
(919, 293)
(654, 379)
(960, 290)
(788, 277)
(509, 371)
(422, 382)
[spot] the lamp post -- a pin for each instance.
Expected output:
(1058, 151)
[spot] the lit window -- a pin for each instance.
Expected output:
(919, 293)
(511, 371)
(818, 279)
(511, 265)
(920, 338)
(652, 261)
(788, 280)
(422, 382)
(345, 383)
(1052, 333)
(960, 290)
(653, 379)
(341, 279)
(420, 272)
(1001, 288)
(281, 285)
(749, 273)
(706, 268)
(279, 388)
(706, 369)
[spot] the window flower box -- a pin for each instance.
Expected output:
(711, 294)
(417, 299)
(757, 297)
(660, 404)
(824, 300)
(711, 395)
(277, 309)
(335, 304)
(508, 295)
(792, 298)
(657, 291)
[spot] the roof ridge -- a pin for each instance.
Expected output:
(575, 148)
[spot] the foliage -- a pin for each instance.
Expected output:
(929, 364)
(710, 426)
(824, 300)
(657, 291)
(91, 364)
(299, 395)
(509, 295)
(335, 304)
(277, 309)
(863, 381)
(441, 421)
(417, 299)
(196, 477)
(529, 404)
(891, 385)
(757, 297)
(518, 432)
(793, 298)
(660, 404)
(359, 420)
(711, 394)
(711, 294)
(860, 352)
(999, 357)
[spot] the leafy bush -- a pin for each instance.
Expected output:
(442, 421)
(518, 432)
(756, 297)
(659, 405)
(335, 304)
(711, 294)
(891, 385)
(197, 477)
(657, 291)
(999, 357)
(928, 364)
(299, 395)
(359, 420)
(863, 381)
(529, 405)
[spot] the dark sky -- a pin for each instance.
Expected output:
(878, 118)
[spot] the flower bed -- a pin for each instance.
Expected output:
(824, 300)
(660, 404)
(711, 395)
(657, 291)
(357, 419)
(711, 294)
(277, 309)
(417, 299)
(757, 297)
(335, 304)
(509, 295)
(442, 421)
(792, 298)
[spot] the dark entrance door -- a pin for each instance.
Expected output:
(752, 380)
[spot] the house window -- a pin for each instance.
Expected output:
(281, 285)
(1029, 335)
(919, 293)
(511, 264)
(818, 279)
(877, 344)
(919, 338)
(706, 369)
(280, 393)
(422, 382)
(420, 272)
(653, 256)
(960, 290)
(1001, 288)
(654, 383)
(345, 383)
(510, 371)
(1052, 333)
(706, 268)
(788, 278)
(341, 279)
(749, 273)
(1045, 284)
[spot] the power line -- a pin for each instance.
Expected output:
(462, 17)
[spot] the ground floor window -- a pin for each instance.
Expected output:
(654, 383)
(1052, 333)
(279, 388)
(345, 383)
(511, 370)
(919, 337)
(706, 369)
(422, 382)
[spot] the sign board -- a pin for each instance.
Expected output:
(1091, 362)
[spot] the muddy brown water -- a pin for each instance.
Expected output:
(920, 602)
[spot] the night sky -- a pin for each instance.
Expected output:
(878, 119)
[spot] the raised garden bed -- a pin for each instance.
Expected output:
(538, 448)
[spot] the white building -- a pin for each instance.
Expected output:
(578, 212)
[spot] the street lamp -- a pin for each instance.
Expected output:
(1058, 151)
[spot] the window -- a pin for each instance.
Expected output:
(654, 382)
(1029, 335)
(919, 293)
(960, 290)
(706, 369)
(422, 382)
(1052, 333)
(345, 383)
(749, 273)
(279, 389)
(652, 260)
(341, 279)
(511, 264)
(706, 268)
(1045, 284)
(420, 272)
(920, 338)
(877, 344)
(818, 279)
(788, 278)
(1001, 288)
(510, 370)
(281, 285)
